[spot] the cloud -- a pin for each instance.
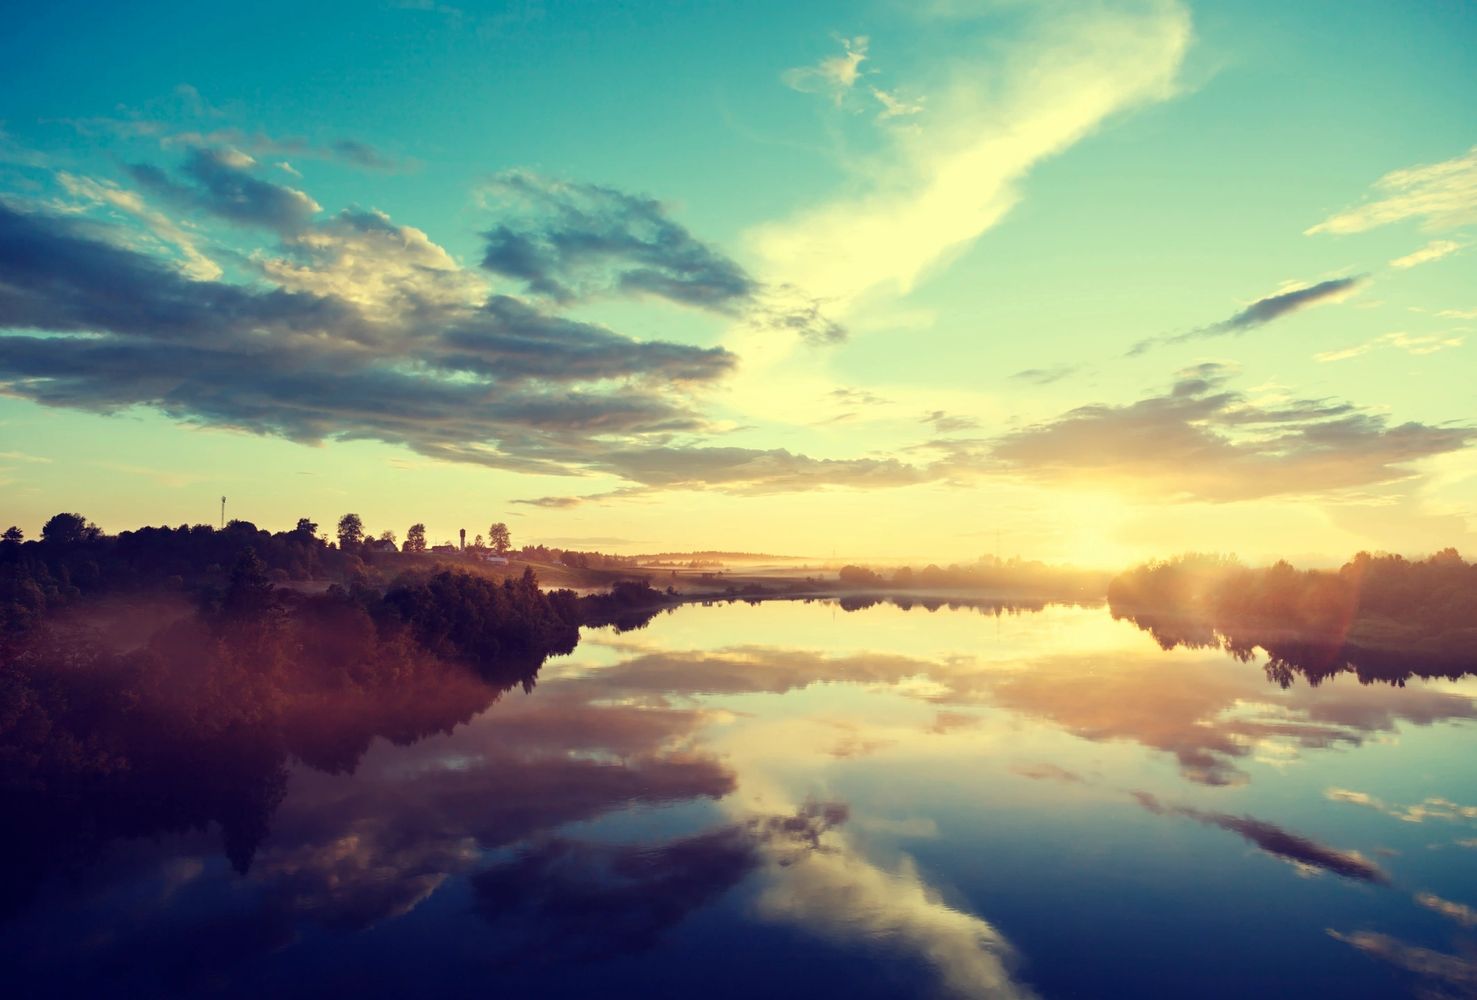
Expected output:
(834, 76)
(1046, 771)
(930, 191)
(1449, 970)
(894, 106)
(1275, 306)
(1434, 250)
(1422, 345)
(1274, 840)
(1201, 440)
(1046, 376)
(569, 241)
(500, 383)
(361, 154)
(563, 900)
(948, 423)
(195, 264)
(753, 471)
(1432, 807)
(185, 119)
(1262, 311)
(1441, 195)
(1196, 711)
(221, 184)
(1459, 912)
(364, 258)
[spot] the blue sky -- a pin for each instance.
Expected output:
(864, 278)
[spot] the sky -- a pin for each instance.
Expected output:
(1083, 282)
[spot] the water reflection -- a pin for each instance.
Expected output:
(876, 791)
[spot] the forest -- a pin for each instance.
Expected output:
(1383, 617)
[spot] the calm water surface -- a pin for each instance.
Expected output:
(786, 799)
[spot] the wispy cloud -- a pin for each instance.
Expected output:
(1459, 912)
(1432, 807)
(1433, 966)
(1417, 345)
(1262, 311)
(1302, 851)
(835, 75)
(932, 190)
(1434, 250)
(1046, 376)
(102, 192)
(1440, 195)
(896, 106)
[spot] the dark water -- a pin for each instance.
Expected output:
(792, 800)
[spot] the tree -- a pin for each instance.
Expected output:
(249, 591)
(499, 539)
(478, 544)
(387, 536)
(306, 526)
(64, 528)
(350, 532)
(13, 534)
(415, 538)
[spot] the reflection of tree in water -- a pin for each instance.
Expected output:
(198, 726)
(1381, 618)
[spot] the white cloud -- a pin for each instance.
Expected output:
(195, 263)
(1420, 345)
(894, 106)
(1434, 250)
(932, 190)
(836, 75)
(1440, 195)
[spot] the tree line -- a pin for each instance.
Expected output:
(1382, 616)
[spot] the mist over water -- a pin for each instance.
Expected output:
(772, 798)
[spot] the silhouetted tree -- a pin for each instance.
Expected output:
(499, 538)
(350, 532)
(306, 526)
(66, 528)
(250, 591)
(387, 536)
(415, 538)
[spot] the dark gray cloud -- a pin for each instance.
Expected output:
(361, 154)
(1201, 440)
(1262, 311)
(1277, 841)
(568, 900)
(1046, 376)
(501, 384)
(221, 183)
(569, 242)
(1274, 306)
